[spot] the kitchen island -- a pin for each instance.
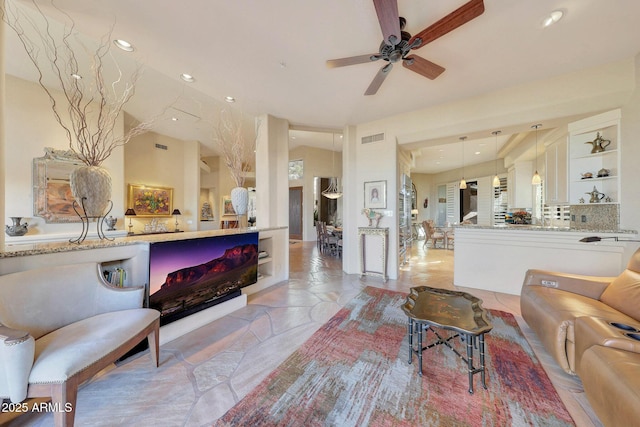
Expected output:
(497, 258)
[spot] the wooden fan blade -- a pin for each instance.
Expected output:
(422, 66)
(352, 60)
(378, 79)
(389, 19)
(458, 17)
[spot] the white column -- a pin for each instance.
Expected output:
(190, 208)
(351, 206)
(272, 172)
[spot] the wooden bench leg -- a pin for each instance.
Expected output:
(154, 344)
(63, 399)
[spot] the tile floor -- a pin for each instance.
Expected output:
(204, 373)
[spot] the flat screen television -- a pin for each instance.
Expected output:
(186, 276)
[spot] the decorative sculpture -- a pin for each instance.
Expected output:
(371, 216)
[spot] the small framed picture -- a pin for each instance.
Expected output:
(375, 194)
(227, 206)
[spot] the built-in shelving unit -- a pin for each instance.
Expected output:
(132, 256)
(604, 166)
(274, 244)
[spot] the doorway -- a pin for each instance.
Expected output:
(469, 203)
(295, 213)
(325, 210)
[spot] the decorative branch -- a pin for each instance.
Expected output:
(92, 109)
(228, 135)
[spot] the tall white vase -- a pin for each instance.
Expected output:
(93, 184)
(240, 200)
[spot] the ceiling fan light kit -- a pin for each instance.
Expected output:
(397, 44)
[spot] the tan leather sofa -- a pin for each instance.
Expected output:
(61, 325)
(591, 326)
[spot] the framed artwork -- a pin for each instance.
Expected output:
(375, 194)
(52, 198)
(227, 206)
(150, 201)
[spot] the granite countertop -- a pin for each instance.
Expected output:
(17, 249)
(527, 227)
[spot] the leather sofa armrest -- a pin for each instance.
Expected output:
(17, 354)
(589, 286)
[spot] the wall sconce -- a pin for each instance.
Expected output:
(130, 212)
(175, 213)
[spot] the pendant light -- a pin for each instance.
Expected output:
(463, 183)
(536, 180)
(332, 190)
(496, 179)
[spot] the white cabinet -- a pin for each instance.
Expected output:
(604, 166)
(556, 182)
(519, 185)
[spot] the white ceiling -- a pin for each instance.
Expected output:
(270, 55)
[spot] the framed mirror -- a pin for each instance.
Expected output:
(52, 198)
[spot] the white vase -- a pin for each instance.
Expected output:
(93, 184)
(240, 200)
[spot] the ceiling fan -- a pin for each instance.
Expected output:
(397, 43)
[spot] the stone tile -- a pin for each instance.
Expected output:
(211, 406)
(205, 372)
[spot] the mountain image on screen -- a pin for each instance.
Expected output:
(194, 288)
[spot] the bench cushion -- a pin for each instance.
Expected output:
(68, 350)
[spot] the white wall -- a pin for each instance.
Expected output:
(630, 155)
(145, 164)
(30, 127)
(363, 163)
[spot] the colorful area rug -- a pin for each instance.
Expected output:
(353, 372)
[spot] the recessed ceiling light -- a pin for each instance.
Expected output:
(553, 17)
(229, 99)
(124, 45)
(477, 152)
(175, 119)
(76, 76)
(187, 78)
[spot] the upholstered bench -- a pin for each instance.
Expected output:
(59, 326)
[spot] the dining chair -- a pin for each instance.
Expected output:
(433, 234)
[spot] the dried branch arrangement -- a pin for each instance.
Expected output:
(229, 136)
(92, 109)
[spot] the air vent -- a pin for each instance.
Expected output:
(161, 147)
(373, 138)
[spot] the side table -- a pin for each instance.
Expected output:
(432, 308)
(383, 234)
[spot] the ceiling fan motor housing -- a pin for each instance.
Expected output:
(398, 51)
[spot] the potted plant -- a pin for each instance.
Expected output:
(230, 138)
(92, 104)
